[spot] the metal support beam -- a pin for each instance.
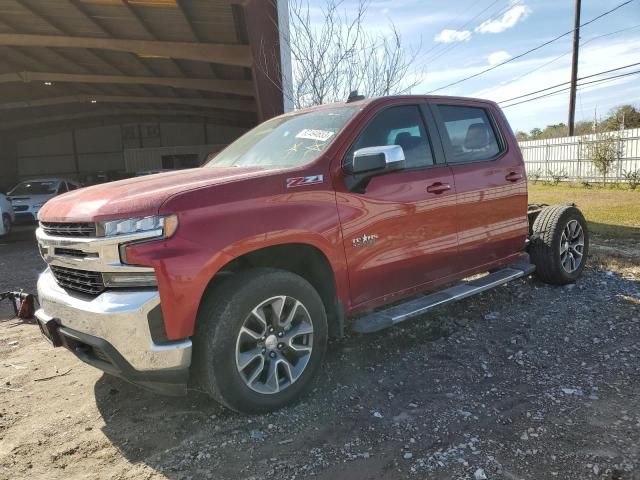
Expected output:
(134, 13)
(62, 30)
(261, 30)
(237, 87)
(214, 103)
(182, 11)
(134, 114)
(239, 55)
(76, 158)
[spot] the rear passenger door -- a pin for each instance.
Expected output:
(401, 232)
(491, 192)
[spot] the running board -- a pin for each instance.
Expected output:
(376, 321)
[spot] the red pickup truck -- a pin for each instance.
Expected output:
(232, 276)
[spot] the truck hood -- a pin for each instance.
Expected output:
(135, 197)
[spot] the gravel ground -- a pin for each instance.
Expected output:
(527, 381)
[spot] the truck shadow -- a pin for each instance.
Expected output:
(154, 430)
(393, 372)
(142, 423)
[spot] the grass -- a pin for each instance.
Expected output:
(611, 213)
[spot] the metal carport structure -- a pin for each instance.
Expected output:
(70, 64)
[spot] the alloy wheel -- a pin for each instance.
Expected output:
(572, 246)
(274, 345)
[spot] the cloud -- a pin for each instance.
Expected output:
(449, 36)
(508, 20)
(518, 77)
(498, 57)
(552, 109)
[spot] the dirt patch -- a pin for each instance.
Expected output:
(526, 381)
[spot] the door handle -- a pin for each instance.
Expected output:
(513, 177)
(438, 187)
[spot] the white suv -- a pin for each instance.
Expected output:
(7, 216)
(29, 196)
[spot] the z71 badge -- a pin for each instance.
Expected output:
(302, 181)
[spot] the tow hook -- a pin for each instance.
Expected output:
(23, 304)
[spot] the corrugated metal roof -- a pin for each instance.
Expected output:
(178, 38)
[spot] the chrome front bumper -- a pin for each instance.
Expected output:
(118, 317)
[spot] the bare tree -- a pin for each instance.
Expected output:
(333, 53)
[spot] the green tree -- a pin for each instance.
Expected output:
(583, 127)
(555, 131)
(535, 134)
(522, 136)
(627, 113)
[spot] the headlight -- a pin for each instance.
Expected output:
(166, 226)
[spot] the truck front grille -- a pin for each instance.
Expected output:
(78, 280)
(72, 252)
(58, 229)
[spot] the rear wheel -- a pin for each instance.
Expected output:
(561, 244)
(6, 224)
(261, 339)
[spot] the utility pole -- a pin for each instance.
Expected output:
(574, 68)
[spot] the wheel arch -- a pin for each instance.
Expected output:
(303, 259)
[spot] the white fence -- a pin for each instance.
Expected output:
(558, 156)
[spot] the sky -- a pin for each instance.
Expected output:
(454, 40)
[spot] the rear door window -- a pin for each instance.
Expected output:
(469, 134)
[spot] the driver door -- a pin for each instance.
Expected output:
(400, 234)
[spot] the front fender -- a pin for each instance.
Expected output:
(210, 237)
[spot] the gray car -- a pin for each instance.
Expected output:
(29, 196)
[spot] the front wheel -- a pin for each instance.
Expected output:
(260, 341)
(561, 244)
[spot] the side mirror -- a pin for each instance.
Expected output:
(371, 162)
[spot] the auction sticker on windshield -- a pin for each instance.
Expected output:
(318, 135)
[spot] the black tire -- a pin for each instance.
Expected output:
(222, 314)
(6, 219)
(546, 246)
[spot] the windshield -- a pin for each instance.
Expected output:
(35, 188)
(285, 141)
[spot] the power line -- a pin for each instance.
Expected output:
(491, 17)
(580, 88)
(580, 85)
(565, 83)
(559, 57)
(437, 45)
(529, 51)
